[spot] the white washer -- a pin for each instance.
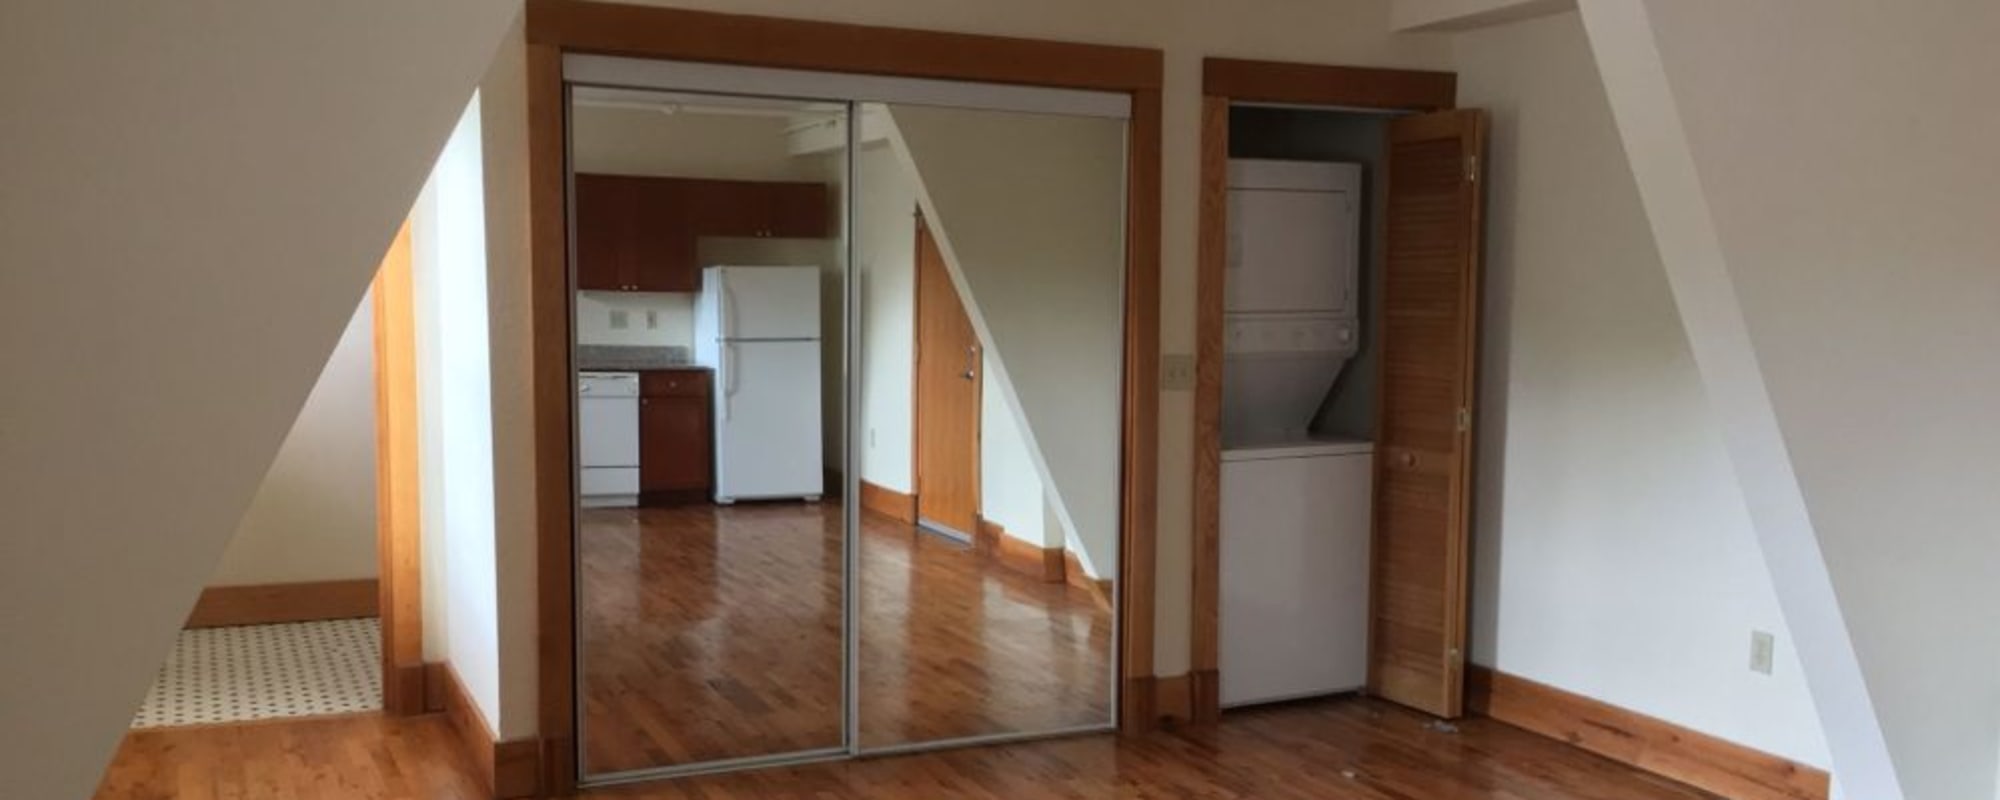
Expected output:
(1294, 573)
(608, 439)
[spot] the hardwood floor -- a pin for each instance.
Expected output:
(1343, 749)
(715, 632)
(360, 756)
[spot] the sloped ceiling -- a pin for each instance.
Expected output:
(1820, 180)
(196, 196)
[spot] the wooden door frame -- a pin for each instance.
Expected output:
(1226, 81)
(398, 492)
(916, 396)
(556, 27)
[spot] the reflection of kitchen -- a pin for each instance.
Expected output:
(702, 345)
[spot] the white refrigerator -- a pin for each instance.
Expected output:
(758, 328)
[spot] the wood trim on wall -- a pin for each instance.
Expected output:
(508, 769)
(270, 603)
(558, 26)
(555, 491)
(1041, 563)
(1245, 81)
(668, 33)
(1226, 81)
(1628, 737)
(888, 502)
(398, 493)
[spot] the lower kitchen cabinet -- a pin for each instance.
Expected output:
(676, 440)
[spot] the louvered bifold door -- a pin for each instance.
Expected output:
(1427, 327)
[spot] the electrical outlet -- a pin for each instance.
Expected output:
(871, 438)
(1763, 649)
(1177, 372)
(620, 321)
(652, 320)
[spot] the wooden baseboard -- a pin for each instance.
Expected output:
(270, 603)
(889, 502)
(412, 694)
(1173, 698)
(1074, 574)
(1037, 562)
(1205, 696)
(510, 769)
(1656, 746)
(1136, 704)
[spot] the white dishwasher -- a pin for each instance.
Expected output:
(608, 439)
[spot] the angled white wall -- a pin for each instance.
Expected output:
(1037, 251)
(1820, 181)
(313, 518)
(1614, 553)
(197, 195)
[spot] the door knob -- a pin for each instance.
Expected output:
(1408, 459)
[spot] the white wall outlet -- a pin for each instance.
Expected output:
(871, 438)
(1177, 372)
(620, 321)
(1763, 649)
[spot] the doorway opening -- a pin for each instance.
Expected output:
(314, 609)
(1338, 276)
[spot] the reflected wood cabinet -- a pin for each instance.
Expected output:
(639, 234)
(676, 440)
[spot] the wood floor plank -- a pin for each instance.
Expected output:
(1341, 749)
(715, 632)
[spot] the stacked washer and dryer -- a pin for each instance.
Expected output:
(1295, 503)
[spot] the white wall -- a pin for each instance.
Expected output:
(504, 144)
(1036, 250)
(313, 519)
(188, 228)
(1837, 280)
(885, 250)
(671, 323)
(1614, 554)
(1324, 31)
(455, 414)
(885, 264)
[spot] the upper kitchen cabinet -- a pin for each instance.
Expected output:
(638, 234)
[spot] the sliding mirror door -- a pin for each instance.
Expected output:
(710, 288)
(990, 252)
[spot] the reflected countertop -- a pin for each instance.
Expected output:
(629, 358)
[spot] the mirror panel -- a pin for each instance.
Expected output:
(709, 263)
(990, 253)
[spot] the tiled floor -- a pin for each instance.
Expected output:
(257, 672)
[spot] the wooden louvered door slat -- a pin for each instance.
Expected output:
(1428, 334)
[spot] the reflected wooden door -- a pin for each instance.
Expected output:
(947, 398)
(1429, 324)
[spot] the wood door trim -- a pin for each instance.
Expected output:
(556, 26)
(670, 33)
(1245, 81)
(398, 493)
(1226, 81)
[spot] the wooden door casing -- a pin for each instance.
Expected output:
(949, 360)
(1423, 455)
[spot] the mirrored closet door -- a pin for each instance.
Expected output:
(709, 265)
(752, 590)
(990, 247)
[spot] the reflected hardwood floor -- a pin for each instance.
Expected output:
(714, 632)
(1343, 749)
